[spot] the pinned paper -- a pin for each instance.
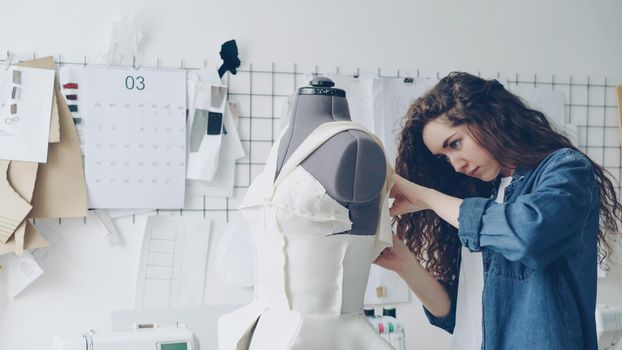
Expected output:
(25, 129)
(111, 232)
(392, 97)
(619, 90)
(222, 183)
(173, 262)
(22, 272)
(235, 254)
(206, 130)
(136, 138)
(385, 287)
(552, 104)
(48, 63)
(359, 94)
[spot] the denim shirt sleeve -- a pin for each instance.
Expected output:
(448, 322)
(537, 227)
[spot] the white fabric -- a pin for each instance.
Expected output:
(468, 330)
(309, 281)
(234, 254)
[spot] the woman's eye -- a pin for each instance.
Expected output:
(455, 144)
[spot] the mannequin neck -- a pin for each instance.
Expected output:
(310, 111)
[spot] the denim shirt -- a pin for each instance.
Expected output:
(539, 250)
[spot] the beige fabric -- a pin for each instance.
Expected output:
(22, 176)
(30, 237)
(13, 208)
(60, 190)
(309, 282)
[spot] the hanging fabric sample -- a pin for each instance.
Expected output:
(211, 170)
(206, 130)
(72, 85)
(295, 238)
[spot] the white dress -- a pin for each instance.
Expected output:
(309, 281)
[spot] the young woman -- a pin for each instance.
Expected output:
(501, 220)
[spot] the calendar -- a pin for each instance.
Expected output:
(135, 150)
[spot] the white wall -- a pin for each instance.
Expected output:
(85, 279)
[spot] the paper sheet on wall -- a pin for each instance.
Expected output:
(22, 272)
(135, 138)
(619, 93)
(552, 104)
(385, 287)
(222, 183)
(25, 111)
(359, 93)
(235, 253)
(205, 130)
(392, 97)
(173, 262)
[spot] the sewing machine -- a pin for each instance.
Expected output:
(141, 337)
(608, 326)
(388, 327)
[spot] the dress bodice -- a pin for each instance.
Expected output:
(306, 267)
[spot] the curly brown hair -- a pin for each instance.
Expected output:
(514, 134)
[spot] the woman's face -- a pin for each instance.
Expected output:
(456, 146)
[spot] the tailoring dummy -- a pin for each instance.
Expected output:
(319, 214)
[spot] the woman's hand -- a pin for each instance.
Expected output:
(397, 258)
(408, 197)
(430, 291)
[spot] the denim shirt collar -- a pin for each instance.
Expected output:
(517, 175)
(520, 173)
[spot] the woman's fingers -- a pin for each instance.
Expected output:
(392, 258)
(397, 208)
(386, 259)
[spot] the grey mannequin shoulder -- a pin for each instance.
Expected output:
(359, 167)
